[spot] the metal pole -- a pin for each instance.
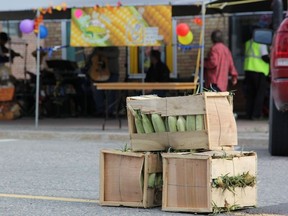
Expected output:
(37, 77)
(9, 44)
(201, 81)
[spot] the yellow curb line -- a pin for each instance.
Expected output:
(63, 199)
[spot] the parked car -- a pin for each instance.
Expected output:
(278, 122)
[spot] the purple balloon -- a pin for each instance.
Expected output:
(26, 26)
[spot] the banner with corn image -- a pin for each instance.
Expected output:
(121, 26)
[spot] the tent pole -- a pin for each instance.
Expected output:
(201, 81)
(37, 77)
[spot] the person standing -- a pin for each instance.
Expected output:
(219, 65)
(256, 67)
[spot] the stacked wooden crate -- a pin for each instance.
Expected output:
(192, 182)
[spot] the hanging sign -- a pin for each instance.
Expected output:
(121, 26)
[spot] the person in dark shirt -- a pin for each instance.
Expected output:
(4, 51)
(157, 72)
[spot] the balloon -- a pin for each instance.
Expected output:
(43, 32)
(187, 39)
(26, 26)
(182, 29)
(78, 13)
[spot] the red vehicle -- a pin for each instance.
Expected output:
(278, 122)
(279, 67)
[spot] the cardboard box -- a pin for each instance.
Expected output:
(124, 179)
(189, 181)
(220, 131)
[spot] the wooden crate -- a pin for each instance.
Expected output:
(220, 131)
(188, 177)
(124, 179)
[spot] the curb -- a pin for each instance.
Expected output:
(64, 135)
(95, 135)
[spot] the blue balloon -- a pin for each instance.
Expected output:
(43, 32)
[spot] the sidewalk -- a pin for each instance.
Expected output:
(91, 129)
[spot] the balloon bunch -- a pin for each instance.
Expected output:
(27, 26)
(185, 36)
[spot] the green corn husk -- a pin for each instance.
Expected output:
(139, 123)
(191, 123)
(147, 125)
(199, 122)
(151, 180)
(172, 123)
(181, 124)
(158, 123)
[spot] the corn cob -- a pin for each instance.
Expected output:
(172, 123)
(161, 17)
(166, 124)
(158, 123)
(199, 122)
(138, 123)
(137, 119)
(181, 124)
(190, 123)
(147, 125)
(158, 180)
(151, 180)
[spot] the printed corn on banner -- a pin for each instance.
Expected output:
(121, 26)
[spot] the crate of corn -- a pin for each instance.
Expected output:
(130, 179)
(209, 182)
(203, 121)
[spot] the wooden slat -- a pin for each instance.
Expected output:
(154, 105)
(220, 122)
(188, 140)
(149, 142)
(102, 181)
(243, 197)
(155, 163)
(146, 86)
(187, 105)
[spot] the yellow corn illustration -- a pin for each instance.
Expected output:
(159, 16)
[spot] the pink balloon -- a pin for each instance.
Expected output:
(78, 13)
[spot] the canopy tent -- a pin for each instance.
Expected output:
(17, 5)
(27, 9)
(16, 9)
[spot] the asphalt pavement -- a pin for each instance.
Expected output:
(59, 175)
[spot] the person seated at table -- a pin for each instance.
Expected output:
(157, 72)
